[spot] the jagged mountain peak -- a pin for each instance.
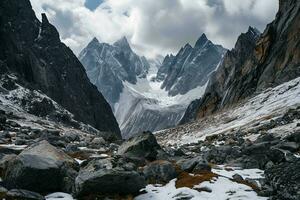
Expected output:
(48, 33)
(123, 43)
(253, 32)
(95, 40)
(44, 18)
(245, 40)
(187, 46)
(201, 41)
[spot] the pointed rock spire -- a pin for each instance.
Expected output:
(122, 43)
(44, 19)
(48, 33)
(95, 40)
(254, 32)
(201, 41)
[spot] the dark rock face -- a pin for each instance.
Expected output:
(107, 66)
(34, 53)
(221, 80)
(191, 67)
(141, 146)
(104, 177)
(265, 61)
(41, 168)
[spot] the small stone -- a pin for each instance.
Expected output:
(237, 177)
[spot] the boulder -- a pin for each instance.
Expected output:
(17, 194)
(70, 136)
(159, 172)
(97, 142)
(290, 146)
(196, 164)
(104, 177)
(41, 168)
(142, 146)
(237, 177)
(295, 137)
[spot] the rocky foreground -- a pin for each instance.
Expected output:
(61, 163)
(249, 152)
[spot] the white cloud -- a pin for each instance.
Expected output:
(155, 27)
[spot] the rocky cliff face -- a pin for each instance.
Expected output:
(108, 66)
(191, 67)
(255, 64)
(33, 52)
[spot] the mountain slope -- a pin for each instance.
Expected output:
(274, 60)
(33, 52)
(108, 66)
(191, 67)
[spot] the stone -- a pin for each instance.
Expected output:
(70, 136)
(196, 164)
(97, 142)
(143, 146)
(40, 168)
(290, 146)
(237, 177)
(102, 177)
(18, 194)
(159, 171)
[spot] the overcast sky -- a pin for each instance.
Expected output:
(155, 26)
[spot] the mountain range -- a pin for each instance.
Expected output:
(146, 95)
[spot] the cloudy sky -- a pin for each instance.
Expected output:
(155, 26)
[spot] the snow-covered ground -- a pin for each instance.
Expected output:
(219, 188)
(11, 102)
(253, 112)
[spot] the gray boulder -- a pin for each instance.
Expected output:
(16, 194)
(159, 172)
(103, 177)
(196, 164)
(41, 168)
(143, 146)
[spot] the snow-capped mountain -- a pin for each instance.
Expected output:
(108, 66)
(270, 59)
(191, 67)
(138, 90)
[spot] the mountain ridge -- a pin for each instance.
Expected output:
(40, 61)
(272, 61)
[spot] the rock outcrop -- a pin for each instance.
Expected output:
(33, 52)
(267, 61)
